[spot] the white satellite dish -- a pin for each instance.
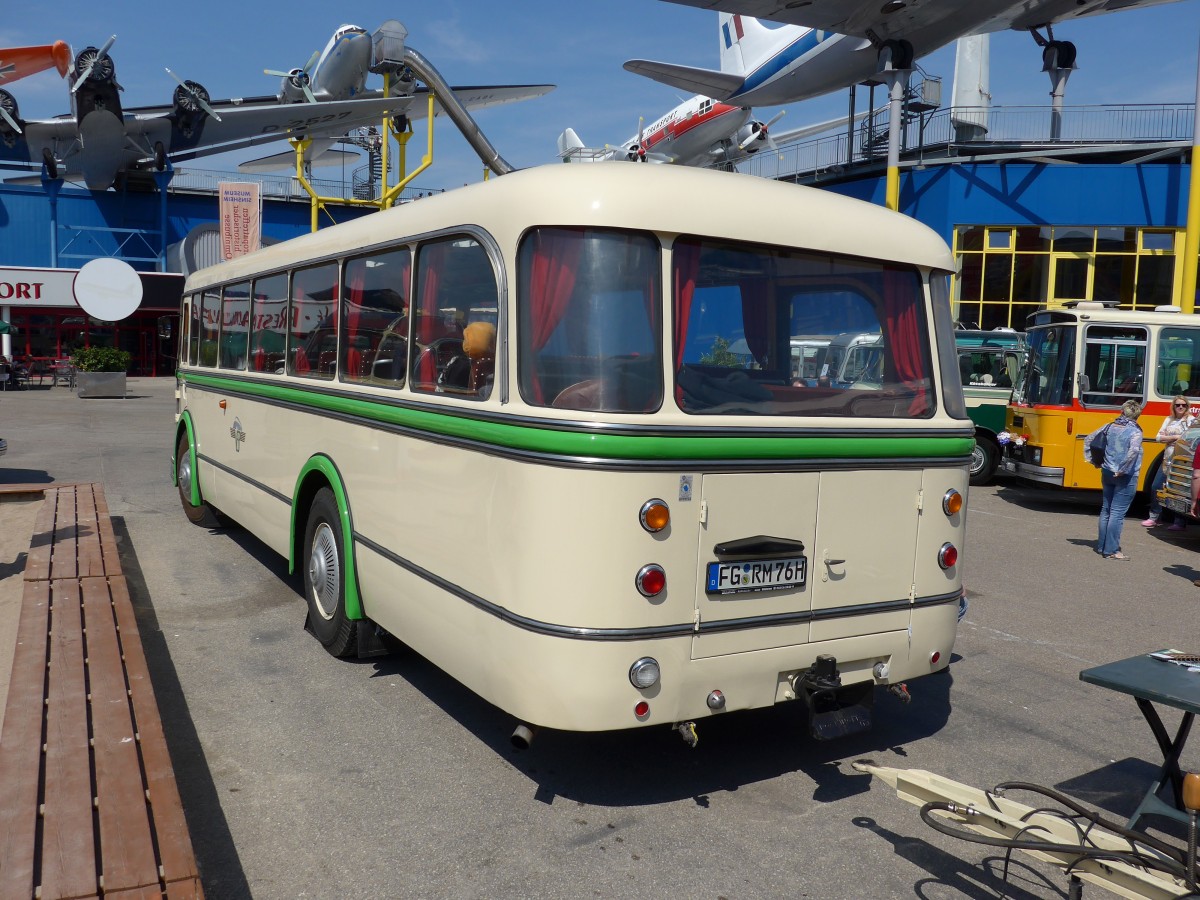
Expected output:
(108, 289)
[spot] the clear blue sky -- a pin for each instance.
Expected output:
(1140, 56)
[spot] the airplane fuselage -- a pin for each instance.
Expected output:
(341, 72)
(691, 132)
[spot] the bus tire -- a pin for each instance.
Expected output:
(203, 515)
(983, 461)
(325, 577)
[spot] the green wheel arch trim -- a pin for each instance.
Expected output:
(186, 420)
(324, 467)
(547, 438)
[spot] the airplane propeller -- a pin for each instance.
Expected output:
(299, 77)
(762, 131)
(637, 153)
(192, 91)
(8, 111)
(91, 58)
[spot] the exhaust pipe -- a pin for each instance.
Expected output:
(522, 737)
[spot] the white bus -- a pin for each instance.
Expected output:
(504, 425)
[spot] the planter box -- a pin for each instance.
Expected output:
(100, 384)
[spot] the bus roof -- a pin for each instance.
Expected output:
(677, 199)
(1099, 313)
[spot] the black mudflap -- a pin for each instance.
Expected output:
(836, 714)
(834, 711)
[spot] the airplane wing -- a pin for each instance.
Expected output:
(899, 19)
(472, 97)
(709, 82)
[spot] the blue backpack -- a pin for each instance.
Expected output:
(1098, 446)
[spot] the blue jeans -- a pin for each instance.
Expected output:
(1118, 494)
(1156, 510)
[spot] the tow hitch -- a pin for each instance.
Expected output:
(833, 711)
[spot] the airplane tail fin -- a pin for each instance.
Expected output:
(568, 141)
(745, 42)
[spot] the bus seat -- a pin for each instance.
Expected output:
(354, 363)
(583, 395)
(482, 370)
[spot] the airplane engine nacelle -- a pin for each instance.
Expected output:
(291, 89)
(189, 100)
(754, 132)
(97, 63)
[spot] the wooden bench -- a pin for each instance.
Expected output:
(88, 801)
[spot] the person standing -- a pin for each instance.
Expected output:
(1118, 474)
(1173, 427)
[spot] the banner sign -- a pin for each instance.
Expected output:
(241, 218)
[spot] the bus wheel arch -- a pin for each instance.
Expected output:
(985, 456)
(186, 476)
(320, 496)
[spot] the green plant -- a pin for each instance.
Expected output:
(101, 359)
(720, 355)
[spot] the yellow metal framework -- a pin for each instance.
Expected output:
(388, 195)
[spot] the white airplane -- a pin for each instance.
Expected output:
(698, 132)
(826, 45)
(99, 141)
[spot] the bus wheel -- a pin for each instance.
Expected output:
(198, 515)
(983, 461)
(325, 577)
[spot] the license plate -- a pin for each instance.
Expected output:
(757, 575)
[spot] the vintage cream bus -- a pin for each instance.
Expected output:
(504, 425)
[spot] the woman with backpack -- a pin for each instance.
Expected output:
(1116, 449)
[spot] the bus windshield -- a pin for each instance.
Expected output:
(1048, 375)
(739, 309)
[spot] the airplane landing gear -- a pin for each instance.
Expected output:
(49, 164)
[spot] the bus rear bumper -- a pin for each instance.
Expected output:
(1042, 474)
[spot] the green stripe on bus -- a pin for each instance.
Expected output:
(548, 439)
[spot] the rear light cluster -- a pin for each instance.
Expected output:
(948, 556)
(952, 504)
(651, 580)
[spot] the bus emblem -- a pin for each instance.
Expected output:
(237, 434)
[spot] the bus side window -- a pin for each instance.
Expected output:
(268, 321)
(1178, 358)
(209, 331)
(375, 319)
(312, 340)
(454, 277)
(235, 317)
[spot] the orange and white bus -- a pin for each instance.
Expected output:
(545, 431)
(1084, 361)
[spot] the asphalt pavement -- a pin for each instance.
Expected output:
(307, 776)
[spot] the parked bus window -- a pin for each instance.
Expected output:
(312, 338)
(210, 328)
(453, 277)
(588, 302)
(269, 324)
(375, 330)
(737, 306)
(1114, 364)
(191, 339)
(235, 321)
(1178, 358)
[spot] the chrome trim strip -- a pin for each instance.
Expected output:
(655, 632)
(283, 498)
(1043, 474)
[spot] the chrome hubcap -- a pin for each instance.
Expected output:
(977, 460)
(185, 472)
(324, 571)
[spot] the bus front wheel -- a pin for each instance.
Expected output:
(983, 461)
(184, 473)
(325, 576)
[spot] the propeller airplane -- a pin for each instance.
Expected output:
(99, 142)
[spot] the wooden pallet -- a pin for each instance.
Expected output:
(88, 801)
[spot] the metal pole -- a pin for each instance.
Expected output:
(1191, 236)
(897, 86)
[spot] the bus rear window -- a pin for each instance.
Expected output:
(589, 320)
(741, 310)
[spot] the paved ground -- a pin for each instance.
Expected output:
(305, 776)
